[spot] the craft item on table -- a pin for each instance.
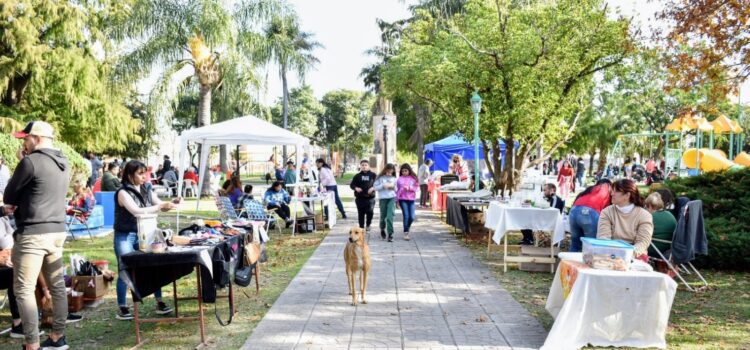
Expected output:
(212, 223)
(607, 254)
(455, 185)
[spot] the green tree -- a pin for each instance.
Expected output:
(49, 71)
(533, 64)
(195, 34)
(284, 43)
(304, 111)
(346, 121)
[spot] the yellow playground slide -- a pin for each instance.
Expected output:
(711, 159)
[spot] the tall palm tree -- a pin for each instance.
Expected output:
(285, 44)
(181, 35)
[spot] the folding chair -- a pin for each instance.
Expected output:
(82, 218)
(226, 209)
(256, 212)
(686, 268)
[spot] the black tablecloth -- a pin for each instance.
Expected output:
(156, 270)
(6, 277)
(456, 215)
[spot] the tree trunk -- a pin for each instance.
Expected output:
(16, 87)
(223, 158)
(285, 103)
(603, 153)
(204, 118)
(592, 152)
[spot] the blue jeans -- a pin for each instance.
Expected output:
(335, 190)
(584, 222)
(407, 207)
(126, 242)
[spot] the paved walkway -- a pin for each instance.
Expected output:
(427, 293)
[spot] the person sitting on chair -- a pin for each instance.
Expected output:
(82, 201)
(248, 194)
(234, 191)
(278, 198)
(664, 223)
(626, 219)
(170, 176)
(554, 202)
(110, 182)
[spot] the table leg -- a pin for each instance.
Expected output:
(551, 255)
(136, 318)
(489, 239)
(505, 252)
(294, 220)
(174, 293)
(257, 277)
(201, 319)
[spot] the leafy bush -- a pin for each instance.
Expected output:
(80, 167)
(726, 206)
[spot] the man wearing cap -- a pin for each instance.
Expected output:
(37, 190)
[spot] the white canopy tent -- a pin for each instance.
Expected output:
(245, 130)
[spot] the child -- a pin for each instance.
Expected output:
(364, 194)
(406, 192)
(385, 184)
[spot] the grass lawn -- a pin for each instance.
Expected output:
(346, 179)
(718, 318)
(101, 330)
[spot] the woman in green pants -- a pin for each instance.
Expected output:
(385, 185)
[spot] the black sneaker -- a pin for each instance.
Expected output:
(60, 344)
(124, 314)
(16, 332)
(73, 318)
(162, 308)
(390, 238)
(382, 234)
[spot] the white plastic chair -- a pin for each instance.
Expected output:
(189, 185)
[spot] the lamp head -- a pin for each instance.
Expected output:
(476, 102)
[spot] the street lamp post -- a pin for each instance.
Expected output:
(476, 107)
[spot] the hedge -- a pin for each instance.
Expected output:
(80, 167)
(726, 211)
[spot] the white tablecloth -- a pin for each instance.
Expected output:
(501, 218)
(610, 308)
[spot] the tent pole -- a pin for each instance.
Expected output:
(731, 144)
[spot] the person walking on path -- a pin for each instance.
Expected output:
(364, 194)
(385, 185)
(328, 183)
(406, 192)
(135, 197)
(580, 172)
(424, 176)
(36, 192)
(565, 180)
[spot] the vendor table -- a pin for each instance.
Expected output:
(442, 194)
(324, 199)
(147, 272)
(608, 308)
(457, 211)
(501, 218)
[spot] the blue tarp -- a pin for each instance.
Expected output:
(441, 151)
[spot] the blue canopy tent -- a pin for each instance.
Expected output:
(441, 151)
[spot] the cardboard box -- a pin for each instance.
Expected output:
(306, 224)
(92, 286)
(319, 222)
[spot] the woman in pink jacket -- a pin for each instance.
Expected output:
(406, 191)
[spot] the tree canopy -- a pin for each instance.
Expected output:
(533, 63)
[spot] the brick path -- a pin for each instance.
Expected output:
(427, 293)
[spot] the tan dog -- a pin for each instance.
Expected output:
(357, 260)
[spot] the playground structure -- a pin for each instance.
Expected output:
(687, 129)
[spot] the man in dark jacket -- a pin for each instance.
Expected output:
(37, 190)
(364, 194)
(110, 182)
(554, 202)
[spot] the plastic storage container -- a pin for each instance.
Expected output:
(607, 254)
